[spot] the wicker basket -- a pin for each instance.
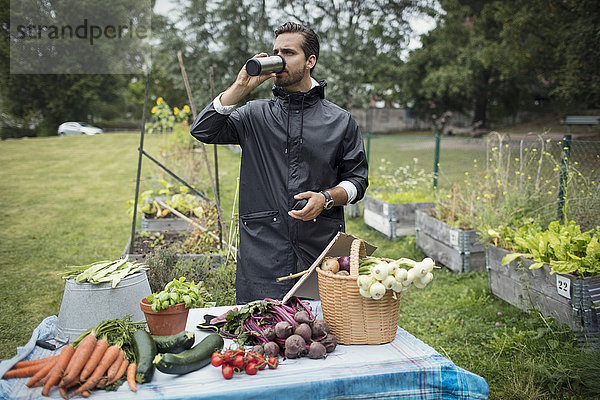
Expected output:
(352, 318)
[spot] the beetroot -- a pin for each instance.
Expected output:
(271, 349)
(296, 345)
(289, 354)
(305, 331)
(283, 329)
(320, 328)
(269, 333)
(330, 342)
(259, 349)
(317, 350)
(302, 317)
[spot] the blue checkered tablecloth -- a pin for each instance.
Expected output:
(406, 368)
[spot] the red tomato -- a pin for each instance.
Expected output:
(227, 357)
(251, 368)
(273, 362)
(251, 358)
(261, 363)
(217, 360)
(238, 361)
(227, 371)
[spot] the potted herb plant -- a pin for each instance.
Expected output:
(166, 312)
(395, 195)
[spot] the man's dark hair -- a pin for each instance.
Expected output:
(310, 43)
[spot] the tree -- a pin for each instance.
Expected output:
(43, 99)
(501, 57)
(361, 44)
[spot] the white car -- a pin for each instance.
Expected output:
(77, 128)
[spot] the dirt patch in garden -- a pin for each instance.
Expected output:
(146, 245)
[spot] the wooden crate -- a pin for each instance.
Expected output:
(391, 219)
(566, 298)
(165, 224)
(457, 249)
(173, 224)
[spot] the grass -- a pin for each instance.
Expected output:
(64, 201)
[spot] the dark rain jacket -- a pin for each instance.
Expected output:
(292, 143)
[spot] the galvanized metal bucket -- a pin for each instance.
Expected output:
(85, 305)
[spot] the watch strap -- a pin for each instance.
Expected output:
(328, 200)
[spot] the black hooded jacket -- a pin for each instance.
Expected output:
(292, 143)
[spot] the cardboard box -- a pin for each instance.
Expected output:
(307, 286)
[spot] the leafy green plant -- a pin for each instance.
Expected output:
(220, 280)
(155, 238)
(181, 291)
(563, 247)
(177, 198)
(404, 184)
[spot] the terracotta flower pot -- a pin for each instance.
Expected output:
(165, 322)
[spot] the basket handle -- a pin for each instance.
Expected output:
(357, 251)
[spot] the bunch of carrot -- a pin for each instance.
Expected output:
(98, 358)
(93, 364)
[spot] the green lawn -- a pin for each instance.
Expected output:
(63, 200)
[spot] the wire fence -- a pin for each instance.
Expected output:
(546, 178)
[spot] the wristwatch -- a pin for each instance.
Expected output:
(328, 200)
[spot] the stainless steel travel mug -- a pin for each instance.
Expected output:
(265, 65)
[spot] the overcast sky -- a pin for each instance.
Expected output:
(419, 25)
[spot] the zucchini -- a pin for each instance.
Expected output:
(190, 360)
(145, 351)
(174, 343)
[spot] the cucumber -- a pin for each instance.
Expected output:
(189, 360)
(174, 343)
(145, 351)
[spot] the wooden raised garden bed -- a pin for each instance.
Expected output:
(145, 246)
(164, 224)
(455, 248)
(564, 297)
(391, 219)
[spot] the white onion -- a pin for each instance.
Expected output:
(380, 270)
(420, 270)
(389, 281)
(410, 277)
(377, 290)
(428, 264)
(427, 278)
(397, 287)
(393, 267)
(401, 274)
(365, 281)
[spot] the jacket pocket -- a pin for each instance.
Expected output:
(259, 215)
(264, 251)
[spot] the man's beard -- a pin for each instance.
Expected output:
(289, 79)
